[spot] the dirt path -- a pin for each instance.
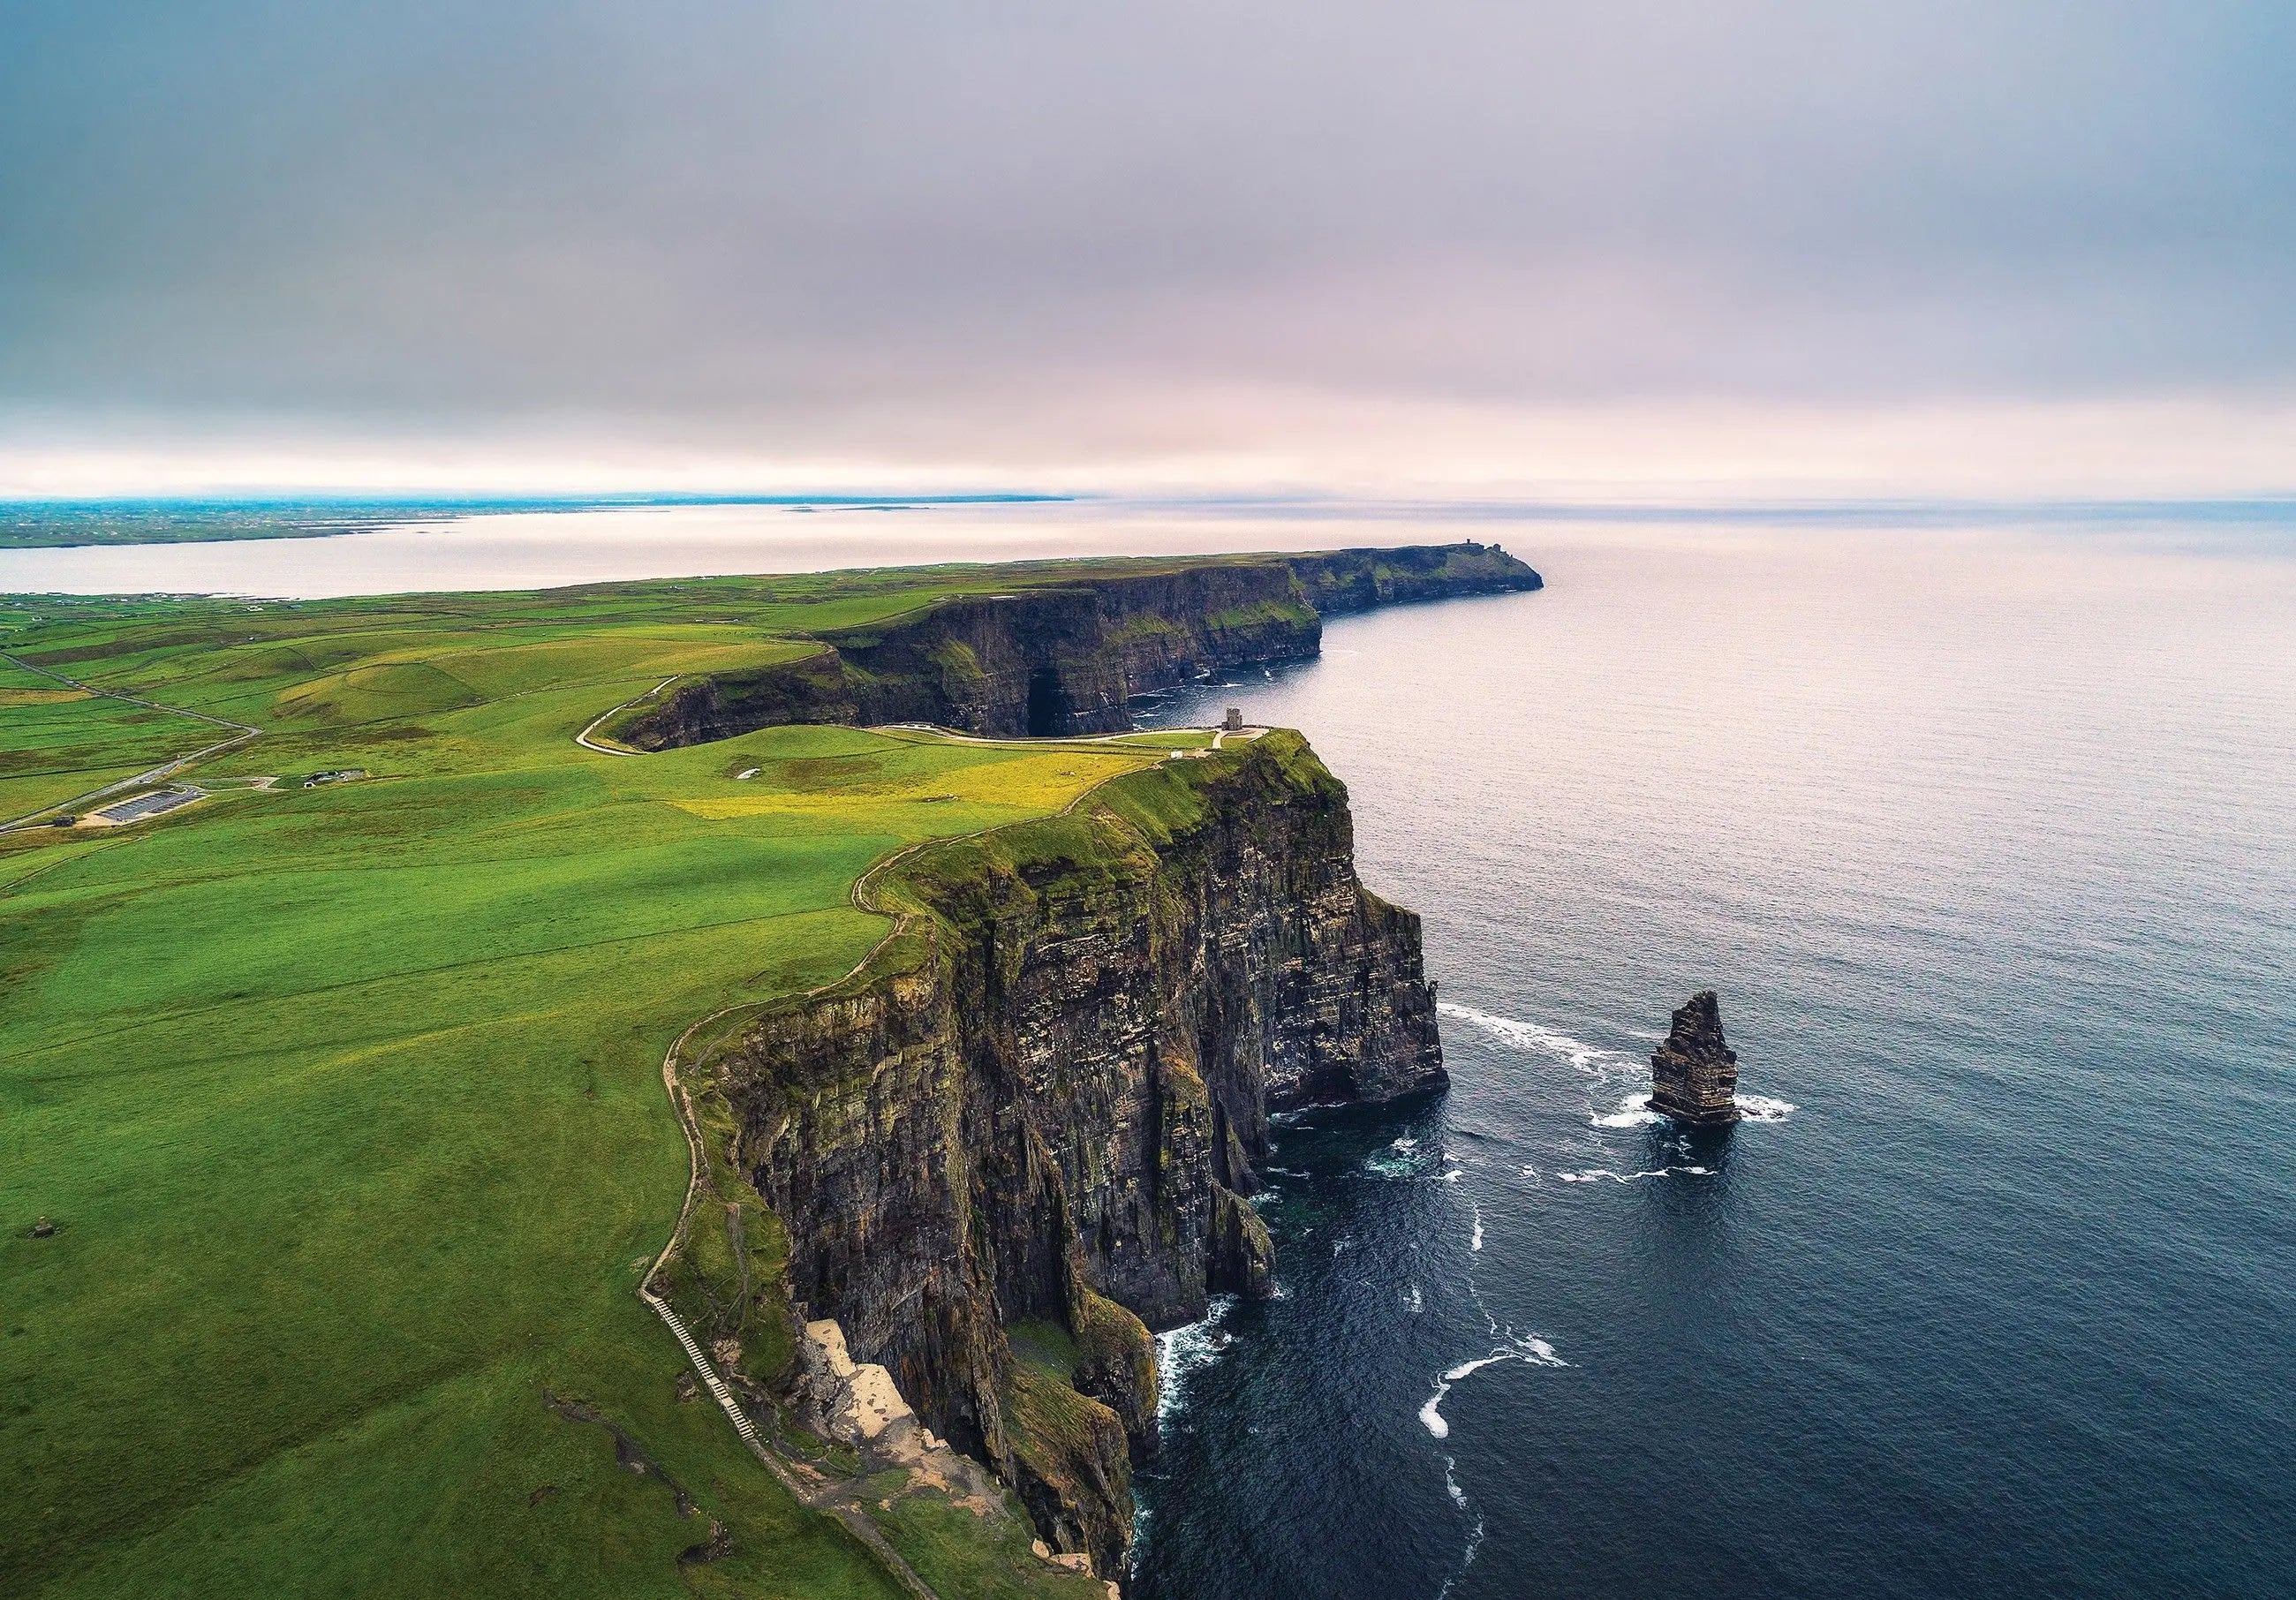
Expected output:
(588, 742)
(833, 1498)
(808, 1489)
(157, 775)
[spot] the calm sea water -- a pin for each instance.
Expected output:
(1989, 842)
(543, 549)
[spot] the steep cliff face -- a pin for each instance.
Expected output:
(1066, 660)
(1694, 1072)
(1045, 1105)
(1337, 581)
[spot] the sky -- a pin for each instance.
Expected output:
(1637, 249)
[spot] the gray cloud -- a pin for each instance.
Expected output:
(834, 223)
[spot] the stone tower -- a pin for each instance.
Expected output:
(1694, 1074)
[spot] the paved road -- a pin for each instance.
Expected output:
(157, 775)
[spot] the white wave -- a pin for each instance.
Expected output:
(1404, 1157)
(1761, 1108)
(1595, 1175)
(1539, 1038)
(1415, 1302)
(1476, 1240)
(1451, 1482)
(1530, 1350)
(1469, 1368)
(1182, 1351)
(1634, 1112)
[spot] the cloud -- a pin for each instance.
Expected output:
(899, 231)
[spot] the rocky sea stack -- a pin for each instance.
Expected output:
(1694, 1074)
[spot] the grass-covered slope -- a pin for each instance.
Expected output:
(346, 1104)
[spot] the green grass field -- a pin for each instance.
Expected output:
(346, 1101)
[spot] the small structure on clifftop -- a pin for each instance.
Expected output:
(1694, 1074)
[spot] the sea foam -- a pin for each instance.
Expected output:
(1537, 1037)
(1634, 1112)
(1530, 1350)
(1182, 1351)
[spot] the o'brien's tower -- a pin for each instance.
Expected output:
(1694, 1074)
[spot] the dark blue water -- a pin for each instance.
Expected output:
(1990, 844)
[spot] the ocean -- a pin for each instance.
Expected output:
(1988, 840)
(1985, 830)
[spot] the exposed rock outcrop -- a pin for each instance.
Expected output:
(1045, 1102)
(841, 1397)
(1066, 658)
(1694, 1073)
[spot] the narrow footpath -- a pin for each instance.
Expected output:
(830, 1497)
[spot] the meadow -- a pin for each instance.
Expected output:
(345, 1102)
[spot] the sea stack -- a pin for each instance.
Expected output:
(1694, 1074)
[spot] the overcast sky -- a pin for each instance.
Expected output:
(1800, 245)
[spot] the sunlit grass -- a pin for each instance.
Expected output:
(346, 1102)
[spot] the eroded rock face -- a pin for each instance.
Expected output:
(1694, 1073)
(1056, 1114)
(1067, 660)
(845, 1399)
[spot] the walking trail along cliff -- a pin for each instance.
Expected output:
(1024, 1129)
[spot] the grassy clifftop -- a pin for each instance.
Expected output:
(344, 1101)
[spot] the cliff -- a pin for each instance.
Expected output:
(1026, 1132)
(1066, 658)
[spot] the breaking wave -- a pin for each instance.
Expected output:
(1537, 1037)
(1634, 1112)
(1183, 1351)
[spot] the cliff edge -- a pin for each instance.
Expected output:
(1063, 651)
(1025, 1134)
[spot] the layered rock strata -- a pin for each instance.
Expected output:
(1043, 1107)
(1067, 660)
(1694, 1073)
